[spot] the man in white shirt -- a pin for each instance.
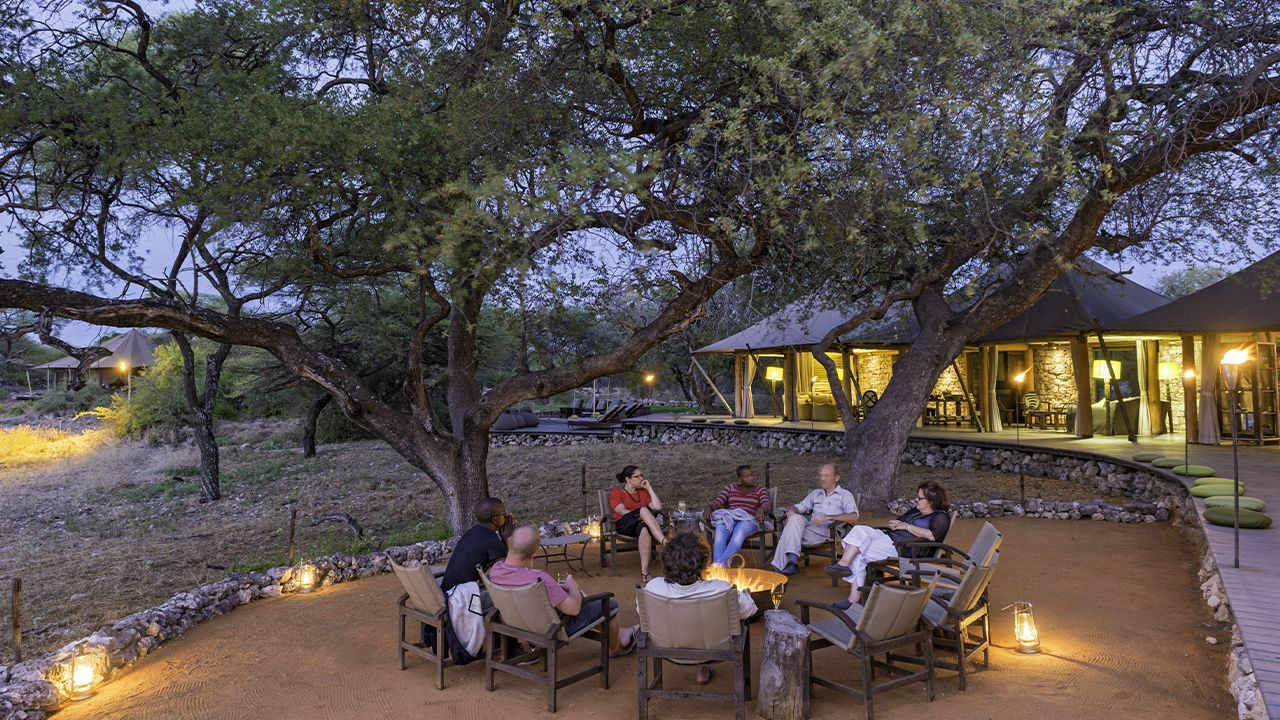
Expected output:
(825, 506)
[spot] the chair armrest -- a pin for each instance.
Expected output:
(827, 607)
(947, 551)
(602, 597)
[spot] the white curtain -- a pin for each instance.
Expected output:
(1209, 434)
(749, 377)
(1144, 383)
(993, 406)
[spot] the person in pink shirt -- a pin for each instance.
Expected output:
(517, 569)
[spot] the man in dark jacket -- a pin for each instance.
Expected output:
(481, 545)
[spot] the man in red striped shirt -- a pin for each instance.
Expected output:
(738, 511)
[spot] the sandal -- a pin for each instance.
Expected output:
(644, 578)
(630, 645)
(711, 674)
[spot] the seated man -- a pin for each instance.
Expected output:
(737, 511)
(829, 504)
(517, 569)
(482, 544)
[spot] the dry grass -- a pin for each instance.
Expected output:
(99, 535)
(24, 445)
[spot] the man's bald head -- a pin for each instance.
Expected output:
(524, 542)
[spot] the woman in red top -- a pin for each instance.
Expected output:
(634, 505)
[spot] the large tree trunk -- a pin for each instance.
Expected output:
(874, 448)
(309, 424)
(469, 478)
(200, 411)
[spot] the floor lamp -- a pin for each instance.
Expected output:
(1188, 389)
(1231, 362)
(773, 374)
(1103, 373)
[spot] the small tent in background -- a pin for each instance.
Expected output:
(129, 352)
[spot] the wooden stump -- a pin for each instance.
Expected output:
(784, 668)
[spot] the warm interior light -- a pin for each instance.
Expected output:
(1189, 374)
(650, 377)
(1170, 370)
(773, 373)
(1024, 628)
(124, 366)
(1100, 369)
(1020, 376)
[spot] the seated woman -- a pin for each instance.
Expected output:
(634, 505)
(684, 560)
(928, 520)
(737, 511)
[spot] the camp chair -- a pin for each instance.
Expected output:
(956, 617)
(888, 621)
(829, 548)
(758, 540)
(424, 603)
(918, 549)
(692, 631)
(524, 612)
(610, 538)
(950, 563)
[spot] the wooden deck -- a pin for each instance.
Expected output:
(1253, 589)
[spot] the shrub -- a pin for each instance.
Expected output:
(61, 401)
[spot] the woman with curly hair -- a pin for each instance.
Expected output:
(685, 559)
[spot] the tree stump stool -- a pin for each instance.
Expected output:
(784, 668)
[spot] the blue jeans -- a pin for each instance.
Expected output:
(726, 543)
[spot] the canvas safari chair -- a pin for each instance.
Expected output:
(692, 631)
(960, 620)
(524, 613)
(610, 539)
(927, 559)
(423, 603)
(888, 621)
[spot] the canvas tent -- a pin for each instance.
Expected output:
(132, 348)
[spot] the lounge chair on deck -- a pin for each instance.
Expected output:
(692, 631)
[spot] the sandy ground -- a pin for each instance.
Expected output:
(1122, 624)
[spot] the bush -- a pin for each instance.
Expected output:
(61, 401)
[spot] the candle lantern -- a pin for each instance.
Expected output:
(305, 577)
(84, 673)
(593, 529)
(1024, 628)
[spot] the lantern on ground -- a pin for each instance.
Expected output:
(83, 676)
(1024, 628)
(593, 529)
(306, 577)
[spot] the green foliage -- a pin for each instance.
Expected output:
(1179, 283)
(158, 401)
(60, 400)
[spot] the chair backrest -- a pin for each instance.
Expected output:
(870, 398)
(424, 591)
(893, 610)
(692, 623)
(773, 499)
(526, 607)
(985, 545)
(968, 595)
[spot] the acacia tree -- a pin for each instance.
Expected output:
(1116, 127)
(440, 150)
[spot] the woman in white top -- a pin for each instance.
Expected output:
(685, 558)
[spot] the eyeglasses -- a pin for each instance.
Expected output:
(921, 497)
(638, 475)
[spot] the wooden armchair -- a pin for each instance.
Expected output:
(927, 559)
(829, 548)
(692, 631)
(888, 621)
(424, 603)
(610, 539)
(525, 613)
(960, 620)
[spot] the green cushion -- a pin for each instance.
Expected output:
(1204, 491)
(698, 420)
(741, 422)
(1213, 481)
(1248, 518)
(1246, 503)
(1193, 470)
(717, 422)
(1166, 462)
(1147, 457)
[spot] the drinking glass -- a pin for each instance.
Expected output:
(562, 577)
(776, 595)
(681, 507)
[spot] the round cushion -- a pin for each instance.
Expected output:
(717, 422)
(1250, 519)
(1213, 481)
(1166, 462)
(1193, 470)
(1147, 457)
(1204, 491)
(528, 418)
(741, 422)
(1246, 503)
(507, 421)
(698, 420)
